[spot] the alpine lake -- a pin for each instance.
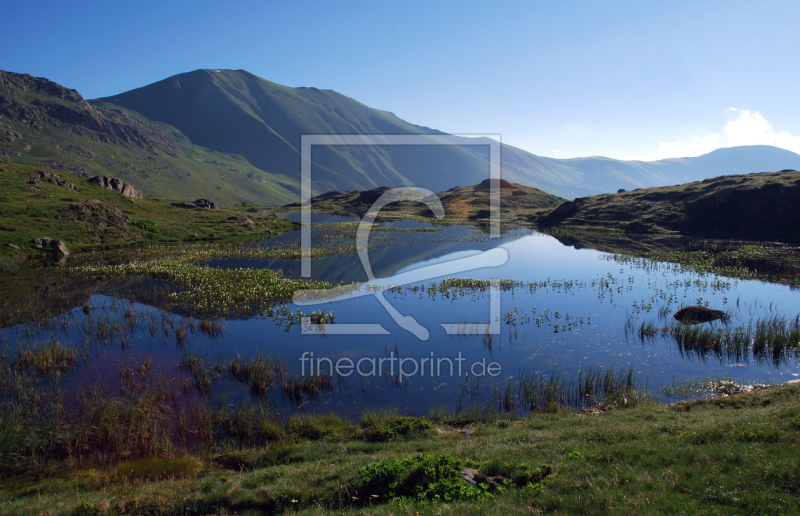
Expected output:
(556, 323)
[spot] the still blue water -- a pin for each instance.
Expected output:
(569, 314)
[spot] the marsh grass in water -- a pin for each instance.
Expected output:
(772, 336)
(150, 411)
(776, 335)
(259, 373)
(48, 358)
(537, 391)
(299, 389)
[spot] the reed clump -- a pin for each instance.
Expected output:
(773, 336)
(144, 414)
(537, 391)
(48, 358)
(299, 389)
(259, 373)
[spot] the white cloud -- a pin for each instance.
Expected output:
(685, 148)
(750, 128)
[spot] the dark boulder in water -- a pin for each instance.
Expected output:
(699, 314)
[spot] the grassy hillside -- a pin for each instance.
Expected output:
(47, 125)
(460, 203)
(753, 206)
(88, 216)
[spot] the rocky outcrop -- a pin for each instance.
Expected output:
(42, 104)
(203, 204)
(368, 197)
(699, 314)
(116, 184)
(97, 213)
(37, 177)
(488, 184)
(566, 208)
(330, 194)
(101, 221)
(493, 483)
(242, 219)
(58, 247)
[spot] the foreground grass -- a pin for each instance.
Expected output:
(737, 454)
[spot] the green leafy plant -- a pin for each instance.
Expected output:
(388, 428)
(146, 225)
(426, 478)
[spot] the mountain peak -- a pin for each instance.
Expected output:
(236, 112)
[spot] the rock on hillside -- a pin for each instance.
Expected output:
(116, 184)
(37, 177)
(203, 204)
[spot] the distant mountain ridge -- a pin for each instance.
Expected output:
(230, 136)
(602, 172)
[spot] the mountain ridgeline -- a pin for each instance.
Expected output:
(238, 113)
(230, 136)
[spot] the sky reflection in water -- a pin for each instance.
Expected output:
(582, 299)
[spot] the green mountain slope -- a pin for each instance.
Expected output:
(45, 124)
(238, 113)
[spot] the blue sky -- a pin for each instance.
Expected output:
(628, 80)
